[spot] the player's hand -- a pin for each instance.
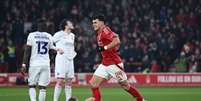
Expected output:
(100, 49)
(61, 51)
(23, 69)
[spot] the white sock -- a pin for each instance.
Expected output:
(32, 94)
(42, 95)
(57, 91)
(68, 92)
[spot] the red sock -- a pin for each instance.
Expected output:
(135, 93)
(96, 94)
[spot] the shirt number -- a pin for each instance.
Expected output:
(42, 47)
(120, 76)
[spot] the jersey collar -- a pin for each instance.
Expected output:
(101, 29)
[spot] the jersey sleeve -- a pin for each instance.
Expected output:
(108, 34)
(30, 40)
(73, 38)
(55, 38)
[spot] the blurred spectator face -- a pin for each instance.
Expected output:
(182, 54)
(97, 24)
(186, 48)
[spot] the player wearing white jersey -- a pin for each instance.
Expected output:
(64, 66)
(37, 56)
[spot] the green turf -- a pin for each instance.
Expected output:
(111, 94)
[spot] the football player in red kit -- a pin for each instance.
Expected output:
(111, 66)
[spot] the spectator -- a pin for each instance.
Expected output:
(181, 63)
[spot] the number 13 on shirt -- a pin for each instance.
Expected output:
(42, 47)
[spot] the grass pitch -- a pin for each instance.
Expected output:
(110, 94)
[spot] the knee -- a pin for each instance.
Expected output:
(96, 81)
(59, 82)
(68, 82)
(93, 84)
(125, 85)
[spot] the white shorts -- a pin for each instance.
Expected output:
(39, 75)
(64, 68)
(111, 71)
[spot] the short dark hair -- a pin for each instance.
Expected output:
(41, 25)
(63, 24)
(73, 99)
(99, 16)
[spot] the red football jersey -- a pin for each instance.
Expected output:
(110, 56)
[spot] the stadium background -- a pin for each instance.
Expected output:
(162, 36)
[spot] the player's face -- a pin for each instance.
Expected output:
(70, 25)
(96, 24)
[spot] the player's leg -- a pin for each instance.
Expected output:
(32, 92)
(99, 76)
(68, 88)
(131, 89)
(42, 93)
(121, 77)
(70, 76)
(58, 88)
(59, 75)
(95, 84)
(33, 78)
(44, 80)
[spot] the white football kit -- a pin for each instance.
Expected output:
(64, 66)
(39, 71)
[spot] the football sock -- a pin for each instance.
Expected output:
(96, 94)
(57, 91)
(135, 93)
(42, 95)
(32, 94)
(68, 92)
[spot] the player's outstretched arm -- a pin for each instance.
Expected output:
(54, 49)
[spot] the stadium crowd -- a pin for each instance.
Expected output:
(156, 35)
